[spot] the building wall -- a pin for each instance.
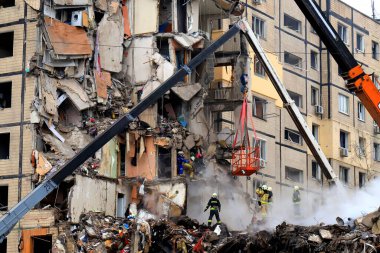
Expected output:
(325, 78)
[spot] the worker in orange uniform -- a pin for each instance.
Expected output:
(214, 205)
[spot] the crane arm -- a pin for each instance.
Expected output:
(357, 80)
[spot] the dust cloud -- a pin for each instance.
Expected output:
(321, 206)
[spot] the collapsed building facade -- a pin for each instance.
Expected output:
(69, 69)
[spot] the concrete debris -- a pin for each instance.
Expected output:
(187, 92)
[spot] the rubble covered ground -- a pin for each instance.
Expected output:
(144, 232)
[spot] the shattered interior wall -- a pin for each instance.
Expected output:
(89, 194)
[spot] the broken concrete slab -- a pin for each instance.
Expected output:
(315, 238)
(164, 142)
(149, 87)
(43, 165)
(69, 3)
(111, 36)
(187, 41)
(75, 92)
(102, 80)
(325, 234)
(58, 147)
(65, 40)
(187, 92)
(146, 21)
(189, 142)
(139, 54)
(165, 69)
(368, 219)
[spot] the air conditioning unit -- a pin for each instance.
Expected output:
(257, 1)
(376, 129)
(343, 152)
(263, 163)
(318, 110)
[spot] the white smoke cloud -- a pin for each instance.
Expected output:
(237, 212)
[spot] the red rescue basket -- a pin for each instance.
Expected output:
(245, 158)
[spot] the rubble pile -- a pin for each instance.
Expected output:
(143, 233)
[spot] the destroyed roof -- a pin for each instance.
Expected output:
(65, 40)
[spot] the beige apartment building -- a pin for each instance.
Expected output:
(340, 123)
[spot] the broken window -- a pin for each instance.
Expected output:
(163, 47)
(164, 162)
(314, 96)
(4, 145)
(315, 171)
(313, 59)
(6, 4)
(259, 27)
(3, 246)
(293, 136)
(120, 205)
(292, 59)
(297, 98)
(342, 31)
(292, 23)
(58, 198)
(294, 174)
(362, 146)
(259, 107)
(362, 177)
(359, 43)
(165, 18)
(315, 131)
(343, 174)
(3, 198)
(259, 68)
(224, 120)
(375, 50)
(361, 112)
(376, 151)
(42, 243)
(343, 139)
(5, 95)
(6, 44)
(262, 144)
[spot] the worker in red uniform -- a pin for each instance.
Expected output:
(214, 205)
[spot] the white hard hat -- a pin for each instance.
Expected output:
(296, 187)
(269, 188)
(215, 195)
(265, 187)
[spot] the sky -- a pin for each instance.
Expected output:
(365, 6)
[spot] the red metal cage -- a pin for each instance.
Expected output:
(245, 161)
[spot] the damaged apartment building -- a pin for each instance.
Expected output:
(68, 70)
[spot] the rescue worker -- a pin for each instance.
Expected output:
(259, 194)
(180, 161)
(214, 205)
(264, 201)
(297, 201)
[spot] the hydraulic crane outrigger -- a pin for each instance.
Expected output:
(357, 81)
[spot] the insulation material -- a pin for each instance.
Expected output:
(127, 26)
(91, 195)
(139, 55)
(111, 36)
(43, 165)
(72, 2)
(187, 92)
(75, 92)
(102, 80)
(145, 21)
(66, 40)
(165, 69)
(146, 165)
(108, 165)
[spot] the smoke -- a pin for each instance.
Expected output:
(235, 211)
(334, 202)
